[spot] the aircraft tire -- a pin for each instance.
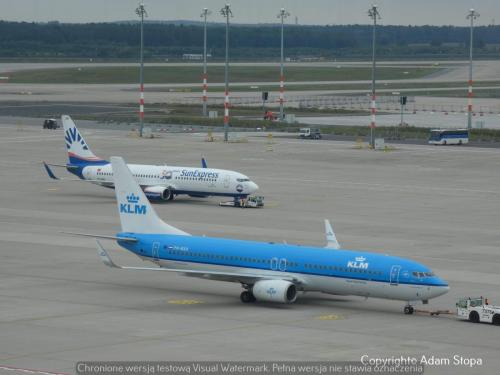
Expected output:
(247, 297)
(408, 310)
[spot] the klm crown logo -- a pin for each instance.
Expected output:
(132, 198)
(72, 136)
(132, 207)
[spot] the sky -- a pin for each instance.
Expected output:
(315, 12)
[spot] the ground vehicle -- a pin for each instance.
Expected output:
(253, 201)
(309, 133)
(449, 137)
(269, 115)
(50, 123)
(477, 310)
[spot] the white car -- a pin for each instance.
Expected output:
(478, 310)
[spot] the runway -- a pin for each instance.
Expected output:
(59, 304)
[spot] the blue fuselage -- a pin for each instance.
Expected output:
(326, 270)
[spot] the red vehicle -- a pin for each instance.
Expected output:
(269, 115)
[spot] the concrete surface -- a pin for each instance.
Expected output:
(437, 120)
(59, 304)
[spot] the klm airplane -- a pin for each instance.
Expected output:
(269, 272)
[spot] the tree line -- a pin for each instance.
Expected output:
(120, 40)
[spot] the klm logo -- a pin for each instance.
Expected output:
(132, 207)
(72, 136)
(271, 291)
(358, 263)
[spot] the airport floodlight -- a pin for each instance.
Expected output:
(472, 15)
(375, 15)
(204, 14)
(282, 15)
(227, 13)
(141, 12)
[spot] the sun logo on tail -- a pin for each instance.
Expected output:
(73, 136)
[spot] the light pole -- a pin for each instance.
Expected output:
(141, 12)
(226, 12)
(204, 15)
(374, 14)
(472, 15)
(283, 14)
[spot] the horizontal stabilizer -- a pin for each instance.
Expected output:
(331, 239)
(49, 171)
(67, 166)
(54, 177)
(126, 239)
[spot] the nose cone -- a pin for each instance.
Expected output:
(252, 187)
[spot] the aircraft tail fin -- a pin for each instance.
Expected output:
(79, 152)
(136, 213)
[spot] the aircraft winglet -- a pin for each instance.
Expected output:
(203, 163)
(331, 239)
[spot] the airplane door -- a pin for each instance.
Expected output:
(274, 264)
(282, 264)
(226, 181)
(394, 277)
(156, 250)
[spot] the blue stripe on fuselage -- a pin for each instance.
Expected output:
(76, 165)
(264, 256)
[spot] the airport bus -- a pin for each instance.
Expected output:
(449, 137)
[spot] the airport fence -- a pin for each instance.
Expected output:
(386, 103)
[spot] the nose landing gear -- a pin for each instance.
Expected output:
(408, 310)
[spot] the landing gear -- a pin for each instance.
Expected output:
(408, 310)
(247, 297)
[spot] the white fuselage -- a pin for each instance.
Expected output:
(182, 180)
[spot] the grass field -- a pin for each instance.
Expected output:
(193, 74)
(189, 115)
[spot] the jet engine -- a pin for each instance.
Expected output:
(275, 291)
(165, 193)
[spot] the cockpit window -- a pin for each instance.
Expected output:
(243, 179)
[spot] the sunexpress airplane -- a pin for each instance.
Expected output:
(159, 182)
(267, 271)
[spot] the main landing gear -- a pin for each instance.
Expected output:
(408, 310)
(247, 297)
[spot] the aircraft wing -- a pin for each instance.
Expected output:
(242, 277)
